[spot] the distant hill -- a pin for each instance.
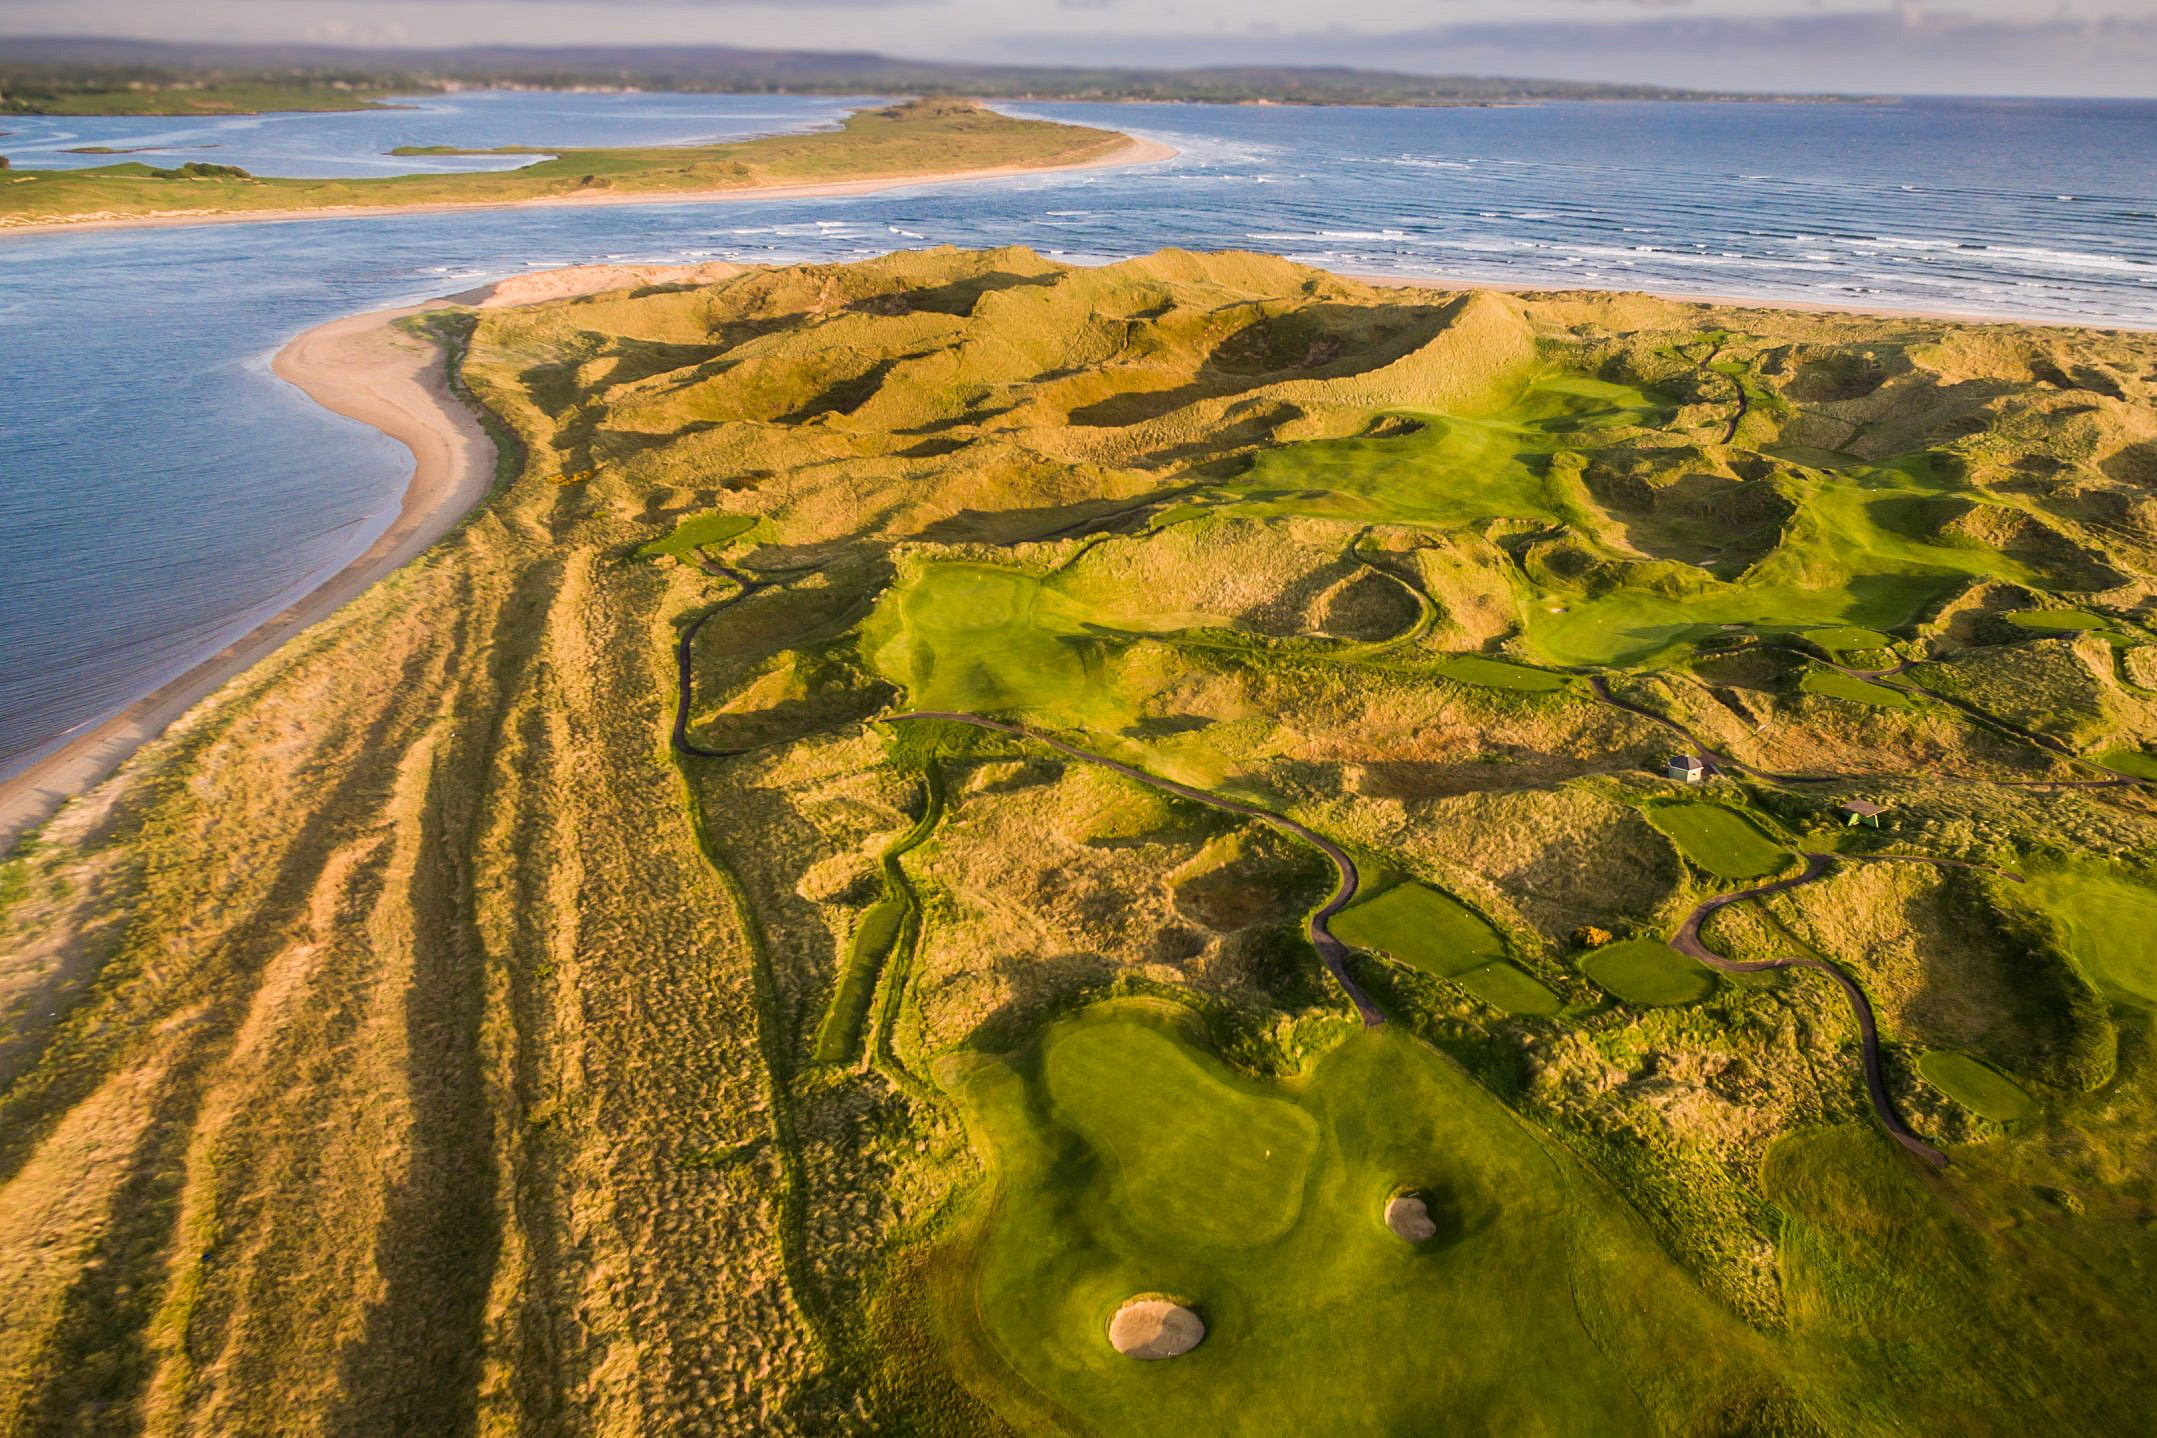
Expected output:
(61, 72)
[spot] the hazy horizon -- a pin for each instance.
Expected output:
(2093, 48)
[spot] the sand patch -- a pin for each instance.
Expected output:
(1151, 1328)
(1410, 1218)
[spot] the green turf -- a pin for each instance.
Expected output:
(1497, 674)
(1848, 639)
(2060, 620)
(1837, 685)
(978, 638)
(1938, 1314)
(1168, 1176)
(2133, 762)
(1508, 987)
(1975, 1084)
(1862, 550)
(1649, 972)
(840, 1037)
(1422, 928)
(1126, 1161)
(1455, 469)
(696, 532)
(2110, 920)
(1724, 843)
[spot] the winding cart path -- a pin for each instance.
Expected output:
(1331, 951)
(1817, 866)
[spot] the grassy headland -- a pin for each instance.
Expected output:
(922, 139)
(415, 1037)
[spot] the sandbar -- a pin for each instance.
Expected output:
(1133, 151)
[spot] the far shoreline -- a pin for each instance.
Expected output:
(1134, 151)
(1456, 285)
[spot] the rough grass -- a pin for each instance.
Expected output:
(406, 1042)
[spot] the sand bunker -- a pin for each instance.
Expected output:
(1154, 1328)
(1410, 1218)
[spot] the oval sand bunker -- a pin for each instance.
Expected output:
(1410, 1218)
(1154, 1328)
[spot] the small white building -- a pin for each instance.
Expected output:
(1688, 768)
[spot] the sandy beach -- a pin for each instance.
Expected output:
(362, 367)
(1133, 152)
(365, 368)
(1456, 285)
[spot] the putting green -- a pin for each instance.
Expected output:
(1649, 972)
(1455, 469)
(1125, 1161)
(2132, 762)
(697, 531)
(1975, 1084)
(1848, 639)
(2063, 620)
(979, 638)
(1724, 843)
(2110, 919)
(1837, 685)
(1507, 986)
(1497, 674)
(1422, 928)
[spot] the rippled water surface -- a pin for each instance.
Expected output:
(163, 491)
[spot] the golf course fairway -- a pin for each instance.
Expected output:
(1127, 1161)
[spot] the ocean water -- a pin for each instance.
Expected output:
(163, 492)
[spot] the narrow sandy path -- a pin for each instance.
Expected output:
(1331, 951)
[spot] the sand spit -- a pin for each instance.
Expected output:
(1151, 1328)
(1133, 152)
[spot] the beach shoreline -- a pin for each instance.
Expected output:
(366, 368)
(1457, 285)
(1133, 151)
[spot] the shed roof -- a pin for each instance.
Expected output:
(1864, 806)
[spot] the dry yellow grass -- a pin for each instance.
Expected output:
(432, 1050)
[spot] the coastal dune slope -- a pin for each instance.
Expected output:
(541, 997)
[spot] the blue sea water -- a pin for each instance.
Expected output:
(163, 492)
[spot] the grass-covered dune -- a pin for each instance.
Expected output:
(915, 140)
(417, 1039)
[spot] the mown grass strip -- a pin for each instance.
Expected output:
(1975, 1084)
(888, 924)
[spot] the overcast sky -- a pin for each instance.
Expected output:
(2061, 47)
